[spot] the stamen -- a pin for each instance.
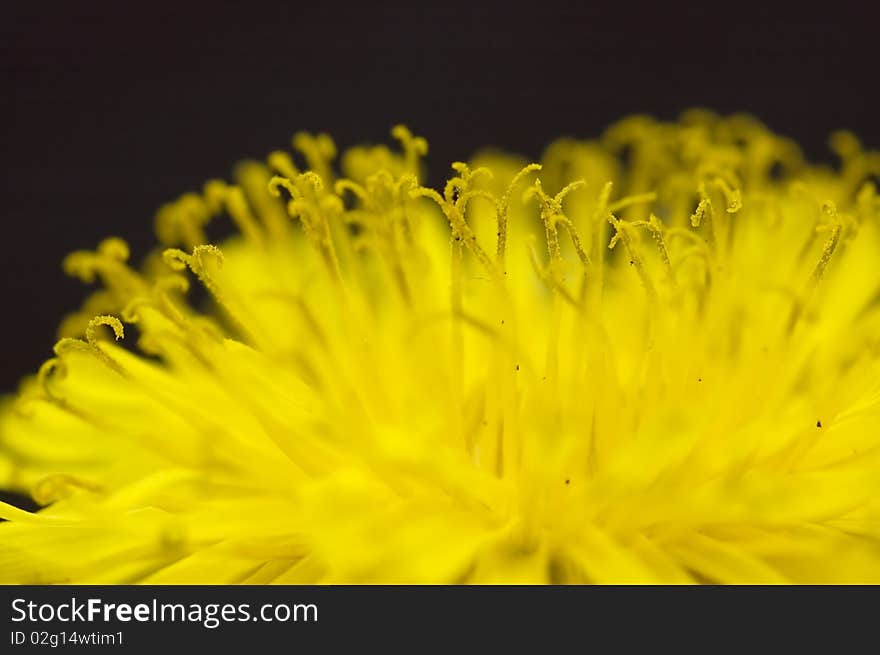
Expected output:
(319, 152)
(832, 242)
(449, 205)
(835, 228)
(703, 215)
(178, 260)
(655, 227)
(51, 369)
(704, 207)
(341, 186)
(503, 208)
(312, 206)
(281, 162)
(621, 234)
(218, 194)
(197, 262)
(110, 321)
(551, 214)
(109, 263)
(414, 148)
(548, 278)
(90, 345)
(732, 196)
(384, 220)
(183, 221)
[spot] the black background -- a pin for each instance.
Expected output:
(110, 109)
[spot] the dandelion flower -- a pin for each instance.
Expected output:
(651, 358)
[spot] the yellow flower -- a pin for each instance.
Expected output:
(655, 357)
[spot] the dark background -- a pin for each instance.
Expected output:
(108, 110)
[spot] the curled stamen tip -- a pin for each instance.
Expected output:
(516, 180)
(68, 344)
(80, 264)
(403, 134)
(281, 162)
(482, 171)
(110, 321)
(311, 178)
(343, 185)
(175, 258)
(568, 188)
(844, 143)
(215, 192)
(172, 282)
(53, 368)
(322, 143)
(425, 192)
(199, 252)
(278, 182)
(734, 204)
(115, 248)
